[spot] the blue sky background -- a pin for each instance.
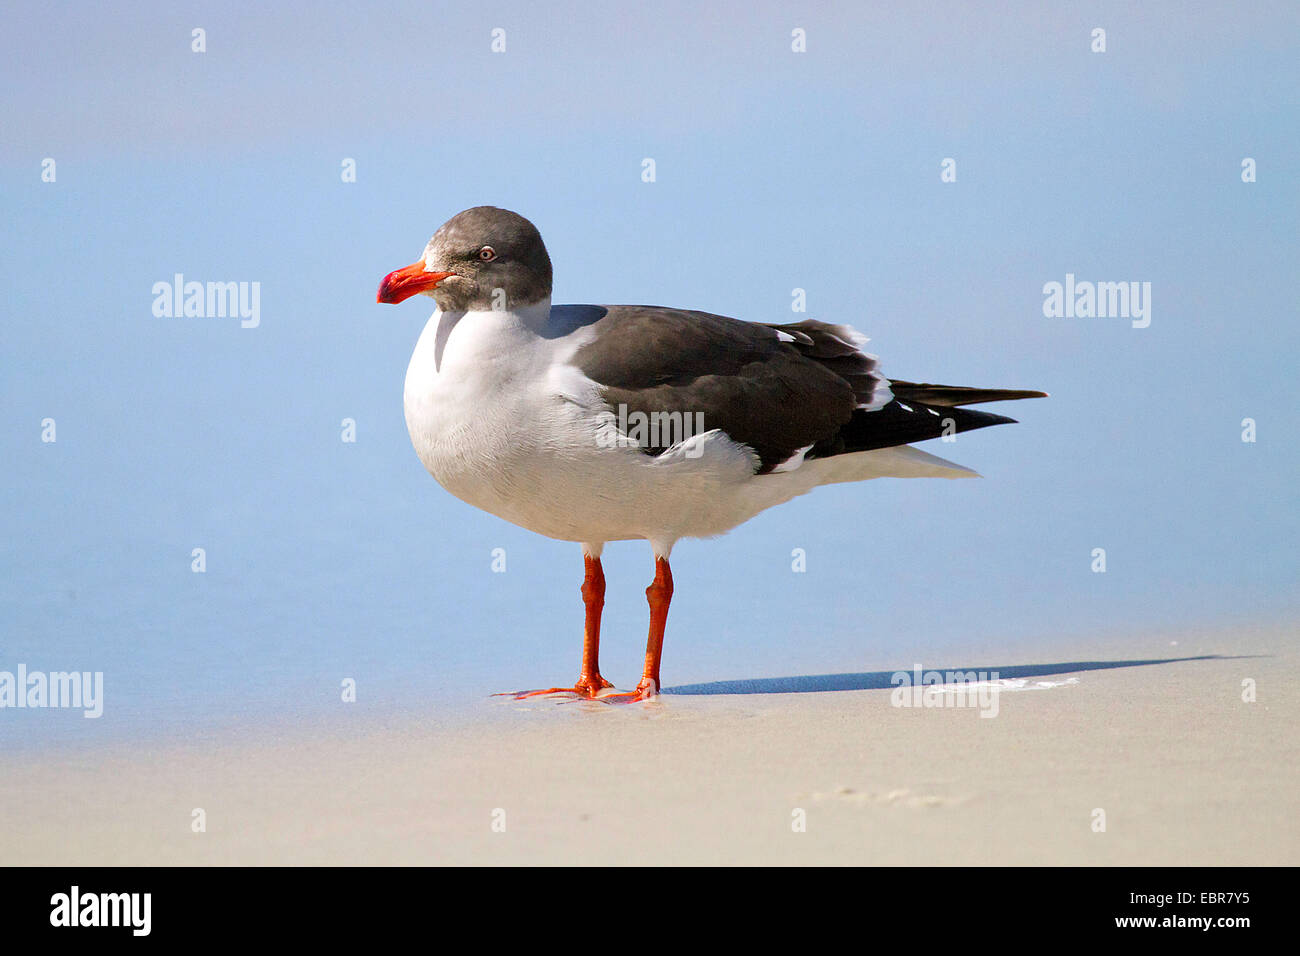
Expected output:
(775, 170)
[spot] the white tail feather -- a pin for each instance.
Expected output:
(902, 461)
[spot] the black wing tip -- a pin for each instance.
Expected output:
(1007, 395)
(954, 396)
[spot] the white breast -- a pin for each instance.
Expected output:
(471, 401)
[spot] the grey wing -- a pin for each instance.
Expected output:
(777, 389)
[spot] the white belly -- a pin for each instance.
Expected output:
(501, 419)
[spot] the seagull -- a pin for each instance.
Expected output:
(599, 423)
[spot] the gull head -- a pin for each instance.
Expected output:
(482, 259)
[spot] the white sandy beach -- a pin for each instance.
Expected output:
(1185, 770)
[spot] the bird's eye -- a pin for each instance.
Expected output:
(487, 253)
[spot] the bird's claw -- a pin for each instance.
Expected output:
(587, 688)
(647, 689)
(592, 689)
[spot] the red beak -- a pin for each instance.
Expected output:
(407, 281)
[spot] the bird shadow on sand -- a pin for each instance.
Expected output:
(884, 680)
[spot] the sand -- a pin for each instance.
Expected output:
(1185, 770)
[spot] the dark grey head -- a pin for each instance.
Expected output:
(481, 259)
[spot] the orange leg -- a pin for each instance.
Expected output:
(659, 594)
(590, 683)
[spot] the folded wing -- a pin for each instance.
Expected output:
(796, 391)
